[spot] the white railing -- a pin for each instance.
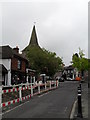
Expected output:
(31, 88)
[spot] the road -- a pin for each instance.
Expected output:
(53, 104)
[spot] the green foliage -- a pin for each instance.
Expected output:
(81, 54)
(43, 61)
(80, 62)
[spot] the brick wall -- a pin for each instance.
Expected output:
(23, 66)
(14, 64)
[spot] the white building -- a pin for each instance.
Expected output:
(5, 67)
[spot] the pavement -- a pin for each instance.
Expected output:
(84, 98)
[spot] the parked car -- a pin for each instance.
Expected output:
(70, 79)
(61, 79)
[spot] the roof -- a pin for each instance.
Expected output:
(30, 70)
(70, 67)
(3, 69)
(33, 39)
(7, 52)
(58, 74)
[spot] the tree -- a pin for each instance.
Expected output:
(80, 62)
(43, 61)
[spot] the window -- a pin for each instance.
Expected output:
(19, 64)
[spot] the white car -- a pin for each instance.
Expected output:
(68, 78)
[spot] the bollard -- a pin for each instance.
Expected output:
(45, 86)
(0, 98)
(39, 88)
(20, 93)
(56, 84)
(79, 103)
(80, 86)
(0, 95)
(31, 90)
(0, 102)
(50, 84)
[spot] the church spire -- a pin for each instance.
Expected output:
(33, 39)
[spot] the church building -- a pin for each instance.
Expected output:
(33, 41)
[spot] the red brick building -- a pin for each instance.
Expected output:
(17, 65)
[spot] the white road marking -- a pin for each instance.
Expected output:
(65, 109)
(14, 108)
(44, 94)
(23, 104)
(73, 110)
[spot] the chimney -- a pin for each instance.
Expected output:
(16, 49)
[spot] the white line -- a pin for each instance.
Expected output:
(65, 109)
(44, 94)
(73, 110)
(15, 107)
(23, 104)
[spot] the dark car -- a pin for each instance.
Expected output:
(61, 79)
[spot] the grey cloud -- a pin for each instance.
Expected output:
(61, 27)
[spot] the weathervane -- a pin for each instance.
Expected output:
(34, 23)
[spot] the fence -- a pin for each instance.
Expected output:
(24, 91)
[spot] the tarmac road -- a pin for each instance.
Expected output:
(53, 104)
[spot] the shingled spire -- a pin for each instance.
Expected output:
(33, 39)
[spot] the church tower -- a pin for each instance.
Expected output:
(33, 40)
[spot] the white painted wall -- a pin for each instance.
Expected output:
(7, 64)
(32, 78)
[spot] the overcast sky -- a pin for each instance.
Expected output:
(61, 26)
